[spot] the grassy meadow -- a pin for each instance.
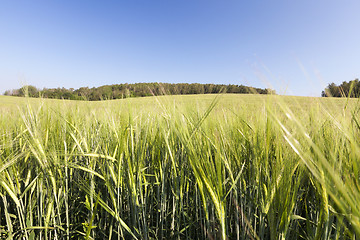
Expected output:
(180, 167)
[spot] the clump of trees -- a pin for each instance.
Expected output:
(345, 89)
(118, 91)
(30, 91)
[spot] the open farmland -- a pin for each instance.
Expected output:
(180, 167)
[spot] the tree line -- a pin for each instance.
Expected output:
(345, 89)
(118, 91)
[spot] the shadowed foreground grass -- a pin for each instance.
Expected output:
(180, 167)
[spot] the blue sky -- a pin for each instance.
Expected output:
(296, 47)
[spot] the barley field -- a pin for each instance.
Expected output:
(180, 167)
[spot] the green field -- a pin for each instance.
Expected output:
(180, 167)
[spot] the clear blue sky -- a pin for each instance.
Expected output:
(297, 47)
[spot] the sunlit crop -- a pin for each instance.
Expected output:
(180, 167)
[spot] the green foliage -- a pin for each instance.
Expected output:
(27, 91)
(345, 89)
(180, 167)
(119, 91)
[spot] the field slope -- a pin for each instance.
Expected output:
(180, 167)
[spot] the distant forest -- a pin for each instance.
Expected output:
(345, 89)
(118, 91)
